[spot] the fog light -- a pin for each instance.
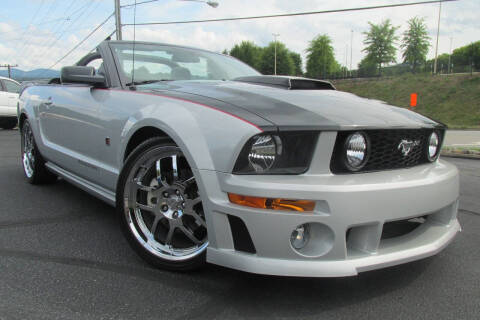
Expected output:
(300, 236)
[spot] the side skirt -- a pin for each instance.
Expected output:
(92, 188)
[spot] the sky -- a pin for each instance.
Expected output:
(37, 33)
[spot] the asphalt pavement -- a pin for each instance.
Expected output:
(62, 256)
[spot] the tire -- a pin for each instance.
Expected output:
(8, 124)
(33, 163)
(160, 209)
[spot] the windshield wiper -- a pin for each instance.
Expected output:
(138, 83)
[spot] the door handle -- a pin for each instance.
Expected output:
(48, 102)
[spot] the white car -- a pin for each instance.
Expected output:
(8, 102)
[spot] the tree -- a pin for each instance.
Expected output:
(320, 58)
(297, 63)
(248, 52)
(415, 43)
(367, 67)
(285, 65)
(462, 59)
(225, 52)
(467, 55)
(380, 43)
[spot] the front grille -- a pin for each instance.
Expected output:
(384, 149)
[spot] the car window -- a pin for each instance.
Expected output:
(11, 86)
(160, 62)
(145, 70)
(96, 63)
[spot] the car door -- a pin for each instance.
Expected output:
(3, 98)
(12, 89)
(70, 129)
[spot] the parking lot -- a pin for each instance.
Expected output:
(62, 256)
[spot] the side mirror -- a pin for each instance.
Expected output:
(81, 74)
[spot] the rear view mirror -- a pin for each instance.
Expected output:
(185, 57)
(81, 74)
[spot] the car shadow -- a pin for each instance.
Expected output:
(252, 295)
(248, 295)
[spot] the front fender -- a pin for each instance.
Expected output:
(210, 139)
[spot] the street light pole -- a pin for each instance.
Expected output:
(450, 56)
(118, 21)
(275, 35)
(346, 60)
(351, 51)
(438, 32)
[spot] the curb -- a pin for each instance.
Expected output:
(460, 155)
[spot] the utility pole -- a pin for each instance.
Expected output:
(275, 35)
(9, 66)
(118, 20)
(450, 56)
(438, 32)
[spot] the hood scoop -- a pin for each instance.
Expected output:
(289, 83)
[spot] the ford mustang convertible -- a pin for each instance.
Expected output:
(206, 160)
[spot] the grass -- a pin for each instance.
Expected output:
(453, 100)
(462, 149)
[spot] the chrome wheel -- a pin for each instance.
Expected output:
(28, 156)
(162, 205)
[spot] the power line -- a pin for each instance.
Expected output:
(63, 19)
(46, 14)
(290, 14)
(82, 10)
(82, 41)
(106, 38)
(138, 3)
(31, 20)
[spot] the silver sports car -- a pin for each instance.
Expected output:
(206, 160)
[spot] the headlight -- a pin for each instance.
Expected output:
(356, 151)
(433, 147)
(264, 151)
(283, 153)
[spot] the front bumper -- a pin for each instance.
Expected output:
(357, 205)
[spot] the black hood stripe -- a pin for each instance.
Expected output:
(260, 126)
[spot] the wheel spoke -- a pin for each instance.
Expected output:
(175, 168)
(189, 234)
(145, 207)
(155, 225)
(189, 180)
(198, 218)
(142, 170)
(190, 211)
(171, 230)
(162, 181)
(192, 202)
(137, 185)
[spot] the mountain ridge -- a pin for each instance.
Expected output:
(41, 73)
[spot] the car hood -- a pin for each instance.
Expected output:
(304, 109)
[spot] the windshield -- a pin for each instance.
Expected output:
(160, 63)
